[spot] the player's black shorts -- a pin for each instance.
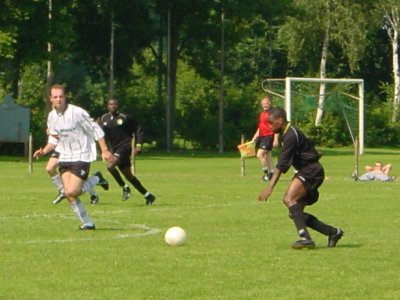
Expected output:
(78, 168)
(265, 142)
(124, 155)
(54, 154)
(312, 176)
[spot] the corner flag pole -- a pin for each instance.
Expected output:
(30, 153)
(242, 161)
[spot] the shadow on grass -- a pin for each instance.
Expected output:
(116, 229)
(340, 246)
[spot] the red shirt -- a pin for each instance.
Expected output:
(263, 125)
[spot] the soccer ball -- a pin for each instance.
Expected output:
(175, 236)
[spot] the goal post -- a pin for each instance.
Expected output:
(286, 95)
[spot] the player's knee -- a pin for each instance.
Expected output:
(261, 154)
(51, 171)
(128, 173)
(288, 201)
(71, 193)
(111, 166)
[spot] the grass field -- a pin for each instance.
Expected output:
(236, 249)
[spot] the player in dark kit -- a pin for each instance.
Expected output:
(119, 131)
(299, 152)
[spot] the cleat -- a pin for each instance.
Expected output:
(334, 238)
(87, 227)
(150, 198)
(126, 192)
(59, 198)
(94, 199)
(270, 174)
(102, 181)
(303, 243)
(354, 176)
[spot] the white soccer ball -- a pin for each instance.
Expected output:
(175, 236)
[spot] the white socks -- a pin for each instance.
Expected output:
(58, 182)
(88, 185)
(80, 211)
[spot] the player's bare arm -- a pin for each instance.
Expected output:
(276, 140)
(263, 197)
(43, 151)
(105, 153)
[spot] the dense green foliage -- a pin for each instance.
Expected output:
(261, 39)
(236, 249)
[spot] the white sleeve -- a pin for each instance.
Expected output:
(90, 127)
(51, 132)
(52, 140)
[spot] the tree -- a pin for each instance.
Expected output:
(315, 26)
(390, 9)
(23, 31)
(183, 18)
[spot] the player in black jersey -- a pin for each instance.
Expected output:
(119, 131)
(298, 151)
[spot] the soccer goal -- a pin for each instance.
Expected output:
(326, 100)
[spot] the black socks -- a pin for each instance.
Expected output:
(297, 215)
(317, 225)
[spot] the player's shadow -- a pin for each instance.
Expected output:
(115, 228)
(342, 245)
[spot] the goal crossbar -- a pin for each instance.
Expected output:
(288, 97)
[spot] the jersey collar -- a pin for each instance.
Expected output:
(287, 128)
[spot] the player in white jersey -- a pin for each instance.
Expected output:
(51, 169)
(72, 133)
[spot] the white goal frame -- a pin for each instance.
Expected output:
(288, 97)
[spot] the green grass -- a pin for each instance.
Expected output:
(236, 249)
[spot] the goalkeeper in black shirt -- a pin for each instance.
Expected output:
(119, 131)
(299, 152)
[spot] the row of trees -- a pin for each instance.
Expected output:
(190, 70)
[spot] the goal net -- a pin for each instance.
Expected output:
(332, 114)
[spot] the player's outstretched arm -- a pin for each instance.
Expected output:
(105, 153)
(43, 151)
(264, 195)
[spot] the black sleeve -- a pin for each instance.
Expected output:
(137, 130)
(288, 153)
(100, 121)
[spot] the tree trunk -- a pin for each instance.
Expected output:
(322, 87)
(396, 75)
(171, 77)
(112, 39)
(11, 67)
(49, 74)
(221, 88)
(160, 64)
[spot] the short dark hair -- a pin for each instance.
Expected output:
(277, 112)
(56, 87)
